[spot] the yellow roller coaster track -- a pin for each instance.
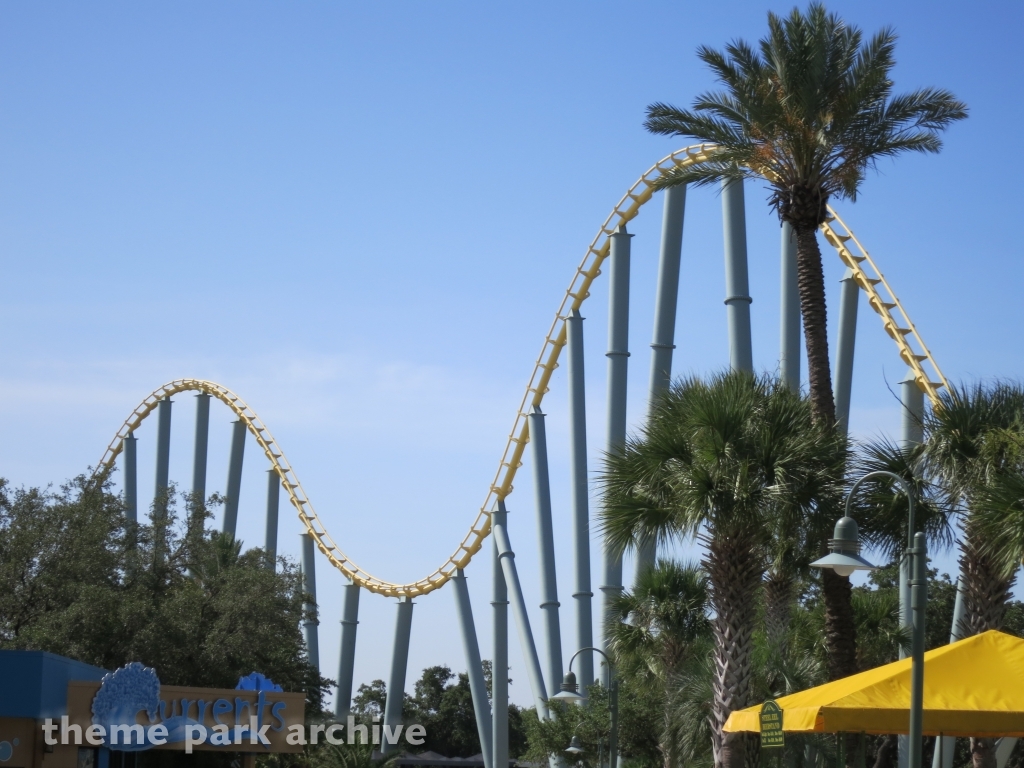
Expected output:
(911, 347)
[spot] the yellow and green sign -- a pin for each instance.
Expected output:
(771, 726)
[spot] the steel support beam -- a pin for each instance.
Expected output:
(580, 498)
(499, 667)
(912, 433)
(477, 686)
(273, 507)
(665, 305)
(347, 660)
(131, 478)
(789, 310)
(546, 540)
(396, 680)
(947, 744)
(507, 558)
(163, 449)
(310, 622)
(234, 476)
(618, 366)
(199, 453)
(737, 288)
(848, 301)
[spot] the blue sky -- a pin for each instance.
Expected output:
(362, 217)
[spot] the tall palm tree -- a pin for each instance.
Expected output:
(715, 461)
(812, 109)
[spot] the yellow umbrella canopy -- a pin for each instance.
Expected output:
(974, 687)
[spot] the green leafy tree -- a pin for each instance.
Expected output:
(442, 703)
(718, 460)
(77, 579)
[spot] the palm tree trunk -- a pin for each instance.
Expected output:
(734, 573)
(778, 608)
(840, 627)
(811, 283)
(987, 589)
(987, 593)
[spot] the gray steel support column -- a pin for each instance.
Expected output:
(789, 306)
(948, 743)
(273, 507)
(515, 592)
(848, 302)
(618, 367)
(665, 304)
(580, 498)
(347, 660)
(310, 623)
(546, 540)
(477, 686)
(234, 476)
(1004, 747)
(912, 433)
(737, 289)
(396, 680)
(199, 453)
(499, 666)
(131, 479)
(163, 448)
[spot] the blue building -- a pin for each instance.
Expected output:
(33, 687)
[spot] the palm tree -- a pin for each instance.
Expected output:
(811, 111)
(972, 466)
(715, 461)
(657, 632)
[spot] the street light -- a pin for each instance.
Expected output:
(570, 693)
(845, 559)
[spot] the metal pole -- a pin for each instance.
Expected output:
(580, 496)
(912, 433)
(234, 476)
(618, 362)
(477, 687)
(396, 680)
(515, 592)
(919, 588)
(848, 302)
(737, 289)
(789, 330)
(273, 505)
(665, 304)
(131, 479)
(199, 453)
(310, 622)
(948, 743)
(347, 660)
(549, 584)
(163, 448)
(499, 666)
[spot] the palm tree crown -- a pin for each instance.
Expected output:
(810, 110)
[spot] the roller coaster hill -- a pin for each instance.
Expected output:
(607, 254)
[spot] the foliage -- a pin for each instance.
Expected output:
(442, 703)
(77, 579)
(591, 722)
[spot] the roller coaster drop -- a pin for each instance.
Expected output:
(612, 244)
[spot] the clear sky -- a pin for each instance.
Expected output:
(362, 217)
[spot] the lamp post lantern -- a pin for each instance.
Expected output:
(570, 693)
(845, 559)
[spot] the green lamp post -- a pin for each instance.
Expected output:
(570, 693)
(845, 558)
